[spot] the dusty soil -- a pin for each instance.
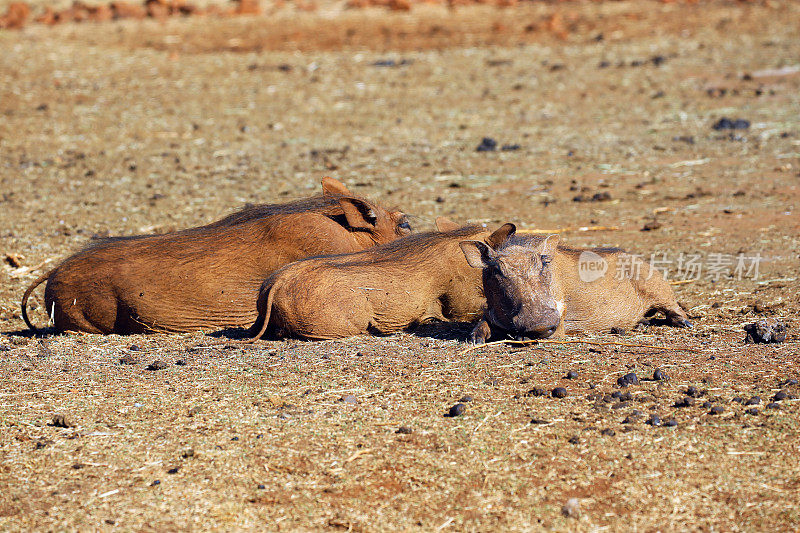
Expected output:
(123, 128)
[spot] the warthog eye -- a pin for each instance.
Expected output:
(404, 225)
(546, 259)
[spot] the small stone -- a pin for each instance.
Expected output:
(134, 348)
(766, 330)
(572, 375)
(574, 439)
(189, 452)
(654, 420)
(620, 405)
(180, 362)
(571, 508)
(559, 392)
(687, 401)
(780, 396)
(671, 423)
(717, 410)
(466, 398)
(752, 411)
(727, 124)
(261, 486)
(157, 365)
(608, 432)
(155, 482)
(707, 404)
(128, 359)
(628, 379)
(659, 375)
(173, 470)
(692, 391)
(617, 331)
(791, 382)
(773, 405)
(60, 421)
(348, 398)
(536, 391)
(404, 430)
(535, 420)
(755, 400)
(487, 145)
(738, 399)
(457, 410)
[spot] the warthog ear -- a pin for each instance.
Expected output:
(359, 214)
(501, 234)
(445, 224)
(333, 186)
(477, 253)
(550, 245)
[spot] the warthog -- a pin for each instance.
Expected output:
(379, 291)
(206, 277)
(537, 288)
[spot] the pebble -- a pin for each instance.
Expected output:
(707, 404)
(574, 439)
(692, 391)
(457, 410)
(128, 359)
(687, 401)
(765, 330)
(654, 420)
(559, 392)
(535, 420)
(788, 382)
(755, 400)
(60, 421)
(608, 432)
(773, 405)
(622, 396)
(404, 430)
(628, 379)
(156, 482)
(780, 395)
(536, 391)
(752, 411)
(572, 375)
(717, 410)
(348, 398)
(466, 398)
(157, 365)
(659, 375)
(620, 405)
(671, 423)
(487, 145)
(261, 486)
(727, 124)
(173, 470)
(738, 399)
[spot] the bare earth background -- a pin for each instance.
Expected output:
(141, 126)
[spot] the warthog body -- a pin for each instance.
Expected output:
(537, 288)
(380, 291)
(206, 277)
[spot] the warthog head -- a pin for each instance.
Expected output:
(367, 221)
(522, 292)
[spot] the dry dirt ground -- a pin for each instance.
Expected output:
(124, 128)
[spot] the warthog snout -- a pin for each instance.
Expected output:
(535, 326)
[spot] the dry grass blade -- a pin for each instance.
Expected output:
(538, 231)
(593, 343)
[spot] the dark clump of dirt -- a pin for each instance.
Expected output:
(765, 330)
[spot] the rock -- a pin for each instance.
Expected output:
(157, 365)
(457, 410)
(128, 359)
(766, 330)
(654, 420)
(404, 430)
(572, 375)
(466, 398)
(671, 423)
(659, 375)
(536, 391)
(628, 379)
(535, 420)
(559, 392)
(727, 124)
(348, 398)
(487, 145)
(755, 400)
(780, 396)
(717, 410)
(60, 421)
(608, 432)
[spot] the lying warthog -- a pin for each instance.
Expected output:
(206, 277)
(537, 288)
(380, 291)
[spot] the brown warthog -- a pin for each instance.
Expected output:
(206, 277)
(380, 291)
(537, 288)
